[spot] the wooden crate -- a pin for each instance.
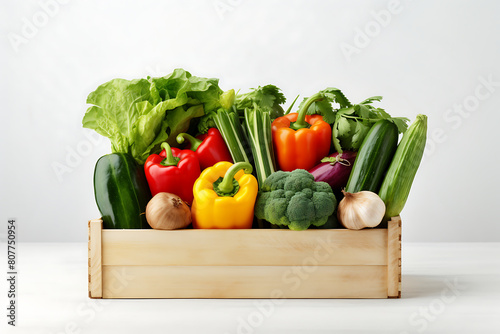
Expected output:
(257, 263)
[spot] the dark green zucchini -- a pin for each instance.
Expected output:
(373, 158)
(121, 191)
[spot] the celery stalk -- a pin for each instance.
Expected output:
(258, 130)
(230, 128)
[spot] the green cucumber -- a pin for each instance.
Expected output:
(399, 178)
(373, 158)
(121, 191)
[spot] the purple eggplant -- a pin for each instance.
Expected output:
(334, 170)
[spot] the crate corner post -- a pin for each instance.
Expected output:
(94, 258)
(394, 258)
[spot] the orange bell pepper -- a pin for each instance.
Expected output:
(300, 141)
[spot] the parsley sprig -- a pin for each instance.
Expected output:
(268, 98)
(350, 122)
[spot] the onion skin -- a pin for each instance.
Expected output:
(338, 174)
(167, 211)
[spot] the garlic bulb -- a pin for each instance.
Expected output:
(360, 210)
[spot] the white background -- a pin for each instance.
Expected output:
(425, 57)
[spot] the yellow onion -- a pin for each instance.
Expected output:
(167, 211)
(360, 210)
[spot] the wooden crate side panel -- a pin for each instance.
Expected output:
(244, 247)
(394, 258)
(244, 282)
(95, 257)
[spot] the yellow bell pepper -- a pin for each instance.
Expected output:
(224, 196)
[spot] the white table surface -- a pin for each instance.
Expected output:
(447, 288)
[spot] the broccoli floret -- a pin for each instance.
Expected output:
(273, 205)
(295, 200)
(275, 181)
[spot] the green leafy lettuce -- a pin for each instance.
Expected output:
(208, 120)
(138, 115)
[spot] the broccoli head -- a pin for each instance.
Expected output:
(295, 200)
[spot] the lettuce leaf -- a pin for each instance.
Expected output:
(138, 115)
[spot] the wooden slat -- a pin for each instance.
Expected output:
(394, 258)
(244, 282)
(95, 256)
(244, 247)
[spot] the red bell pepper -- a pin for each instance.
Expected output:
(210, 148)
(172, 171)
